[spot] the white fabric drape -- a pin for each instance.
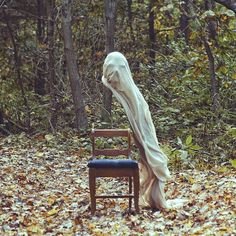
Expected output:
(153, 165)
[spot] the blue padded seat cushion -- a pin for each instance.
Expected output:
(111, 163)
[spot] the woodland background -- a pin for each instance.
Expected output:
(181, 54)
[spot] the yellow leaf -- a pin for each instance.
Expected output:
(35, 229)
(191, 180)
(226, 85)
(49, 137)
(88, 110)
(91, 226)
(223, 169)
(117, 227)
(207, 186)
(41, 45)
(52, 212)
(39, 154)
(51, 200)
(233, 163)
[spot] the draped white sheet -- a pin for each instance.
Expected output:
(153, 164)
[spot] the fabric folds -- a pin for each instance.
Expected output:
(153, 164)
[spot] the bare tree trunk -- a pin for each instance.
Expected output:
(39, 86)
(81, 117)
(51, 63)
(18, 71)
(214, 84)
(110, 16)
(152, 33)
(184, 21)
(1, 117)
(130, 18)
(212, 35)
(3, 129)
(211, 23)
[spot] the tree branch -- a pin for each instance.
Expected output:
(230, 4)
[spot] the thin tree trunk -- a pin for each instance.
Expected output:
(3, 128)
(184, 21)
(212, 35)
(211, 24)
(1, 117)
(18, 71)
(110, 16)
(152, 33)
(214, 84)
(39, 86)
(81, 117)
(130, 19)
(51, 63)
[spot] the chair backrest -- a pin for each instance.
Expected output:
(99, 133)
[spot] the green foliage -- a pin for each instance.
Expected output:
(177, 86)
(233, 163)
(184, 154)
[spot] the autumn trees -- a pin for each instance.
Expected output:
(78, 102)
(40, 79)
(181, 55)
(47, 82)
(110, 18)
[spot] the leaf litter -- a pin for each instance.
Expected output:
(44, 191)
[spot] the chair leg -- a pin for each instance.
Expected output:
(136, 190)
(130, 192)
(92, 188)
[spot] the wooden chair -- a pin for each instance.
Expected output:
(113, 167)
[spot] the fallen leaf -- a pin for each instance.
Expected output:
(52, 212)
(35, 229)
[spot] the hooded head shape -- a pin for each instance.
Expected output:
(116, 71)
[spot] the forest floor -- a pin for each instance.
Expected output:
(44, 191)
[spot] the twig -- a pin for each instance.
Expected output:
(2, 3)
(15, 124)
(5, 130)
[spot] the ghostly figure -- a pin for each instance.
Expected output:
(153, 165)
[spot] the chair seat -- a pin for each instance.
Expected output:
(110, 163)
